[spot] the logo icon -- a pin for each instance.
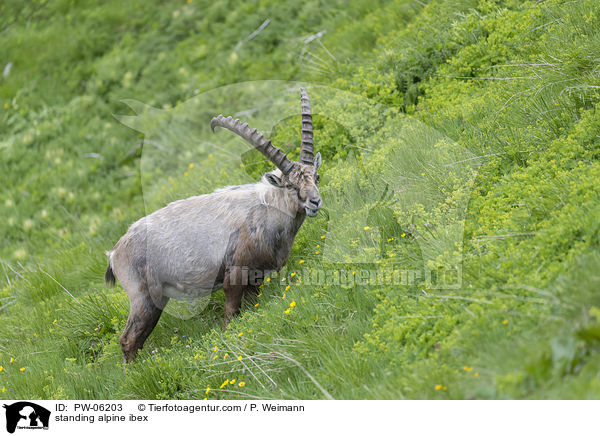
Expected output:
(26, 415)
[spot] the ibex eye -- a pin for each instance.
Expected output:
(317, 178)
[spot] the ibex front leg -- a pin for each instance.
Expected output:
(234, 285)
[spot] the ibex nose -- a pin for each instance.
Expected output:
(315, 202)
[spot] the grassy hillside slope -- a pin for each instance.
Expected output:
(513, 84)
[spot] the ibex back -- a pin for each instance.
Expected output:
(230, 238)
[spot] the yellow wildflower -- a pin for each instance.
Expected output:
(226, 356)
(316, 251)
(3, 389)
(292, 274)
(196, 356)
(224, 384)
(467, 368)
(232, 382)
(403, 235)
(207, 390)
(239, 357)
(287, 310)
(1, 368)
(300, 261)
(5, 105)
(476, 374)
(242, 384)
(191, 165)
(283, 298)
(216, 348)
(22, 369)
(215, 357)
(505, 322)
(323, 237)
(422, 174)
(438, 387)
(205, 398)
(268, 279)
(256, 305)
(260, 294)
(53, 322)
(12, 360)
(367, 228)
(240, 334)
(293, 304)
(287, 288)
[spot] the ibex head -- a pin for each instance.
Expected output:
(300, 177)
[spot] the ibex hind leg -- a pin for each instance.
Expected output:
(144, 313)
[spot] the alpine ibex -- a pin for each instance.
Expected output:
(230, 238)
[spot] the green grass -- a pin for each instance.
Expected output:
(479, 116)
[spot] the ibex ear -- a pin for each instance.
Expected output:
(317, 162)
(273, 180)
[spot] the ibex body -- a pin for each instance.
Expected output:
(229, 238)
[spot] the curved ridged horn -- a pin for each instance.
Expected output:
(255, 139)
(306, 141)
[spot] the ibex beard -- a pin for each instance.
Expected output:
(230, 238)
